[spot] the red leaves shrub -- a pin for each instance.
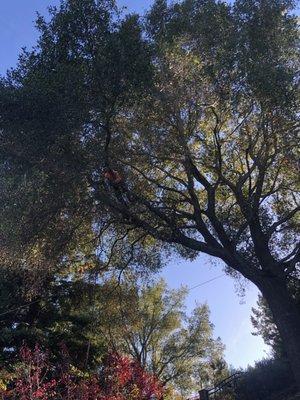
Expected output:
(124, 378)
(33, 377)
(120, 378)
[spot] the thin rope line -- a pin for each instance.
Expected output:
(204, 283)
(19, 308)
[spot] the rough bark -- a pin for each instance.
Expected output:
(287, 319)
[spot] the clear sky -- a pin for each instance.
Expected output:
(231, 319)
(230, 313)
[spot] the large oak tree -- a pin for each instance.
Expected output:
(197, 114)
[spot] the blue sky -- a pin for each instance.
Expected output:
(231, 319)
(230, 313)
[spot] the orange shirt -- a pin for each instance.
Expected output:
(113, 176)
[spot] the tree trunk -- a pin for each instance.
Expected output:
(286, 317)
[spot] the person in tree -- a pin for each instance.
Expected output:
(112, 176)
(114, 179)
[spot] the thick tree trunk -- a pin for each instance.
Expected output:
(286, 317)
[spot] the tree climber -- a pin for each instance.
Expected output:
(112, 177)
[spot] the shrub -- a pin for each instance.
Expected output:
(119, 378)
(265, 380)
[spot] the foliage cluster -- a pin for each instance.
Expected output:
(268, 379)
(120, 378)
(150, 323)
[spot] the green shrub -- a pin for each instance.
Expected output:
(266, 380)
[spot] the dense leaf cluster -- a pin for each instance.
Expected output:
(37, 378)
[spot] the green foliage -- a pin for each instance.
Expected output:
(268, 49)
(87, 66)
(149, 323)
(266, 380)
(62, 312)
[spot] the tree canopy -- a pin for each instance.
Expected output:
(149, 323)
(195, 112)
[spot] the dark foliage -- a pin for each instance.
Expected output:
(267, 380)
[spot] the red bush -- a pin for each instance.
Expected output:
(120, 379)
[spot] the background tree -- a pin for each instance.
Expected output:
(149, 323)
(89, 63)
(63, 312)
(199, 119)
